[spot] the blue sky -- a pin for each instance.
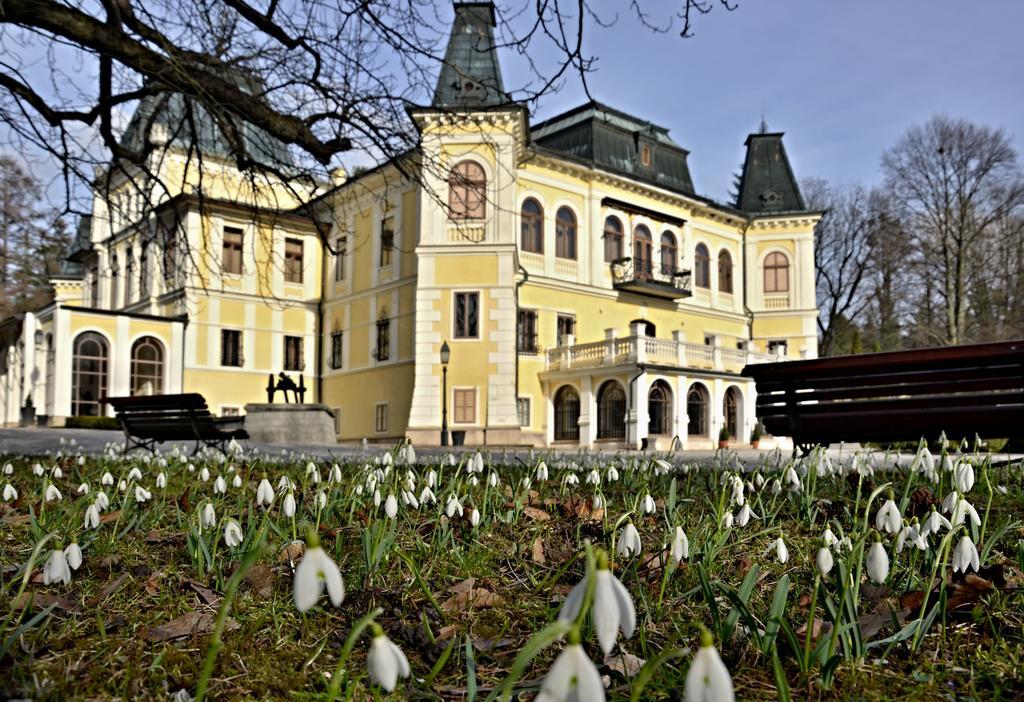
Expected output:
(843, 79)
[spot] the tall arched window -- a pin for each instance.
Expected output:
(567, 414)
(669, 253)
(731, 411)
(89, 363)
(565, 233)
(702, 267)
(776, 273)
(697, 410)
(115, 291)
(147, 367)
(612, 239)
(642, 251)
(611, 411)
(724, 271)
(532, 227)
(467, 191)
(659, 409)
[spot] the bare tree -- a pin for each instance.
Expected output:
(841, 256)
(956, 182)
(888, 284)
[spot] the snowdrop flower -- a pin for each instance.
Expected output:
(161, 480)
(209, 518)
(474, 481)
(314, 475)
(613, 475)
(449, 460)
(135, 474)
(427, 496)
(204, 474)
(728, 520)
(888, 517)
(776, 486)
(56, 569)
(963, 476)
(37, 470)
(1001, 489)
(745, 514)
(708, 679)
(950, 501)
(219, 485)
(680, 545)
(738, 497)
(452, 506)
(315, 571)
(391, 506)
(10, 493)
(612, 607)
(410, 454)
(478, 463)
(142, 494)
(572, 479)
(8, 468)
(572, 677)
(385, 662)
(628, 542)
(107, 479)
(264, 494)
(83, 489)
(781, 552)
(492, 479)
(965, 555)
(526, 483)
(542, 471)
(57, 473)
(74, 555)
(648, 505)
(288, 506)
(661, 466)
(285, 483)
(791, 477)
(191, 468)
(829, 538)
(321, 499)
(474, 517)
(123, 485)
(236, 482)
(962, 511)
(92, 517)
(232, 534)
(335, 475)
(431, 478)
(593, 477)
(824, 560)
(934, 522)
(596, 502)
(52, 493)
(877, 561)
(102, 501)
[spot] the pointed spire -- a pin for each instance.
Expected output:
(471, 75)
(768, 184)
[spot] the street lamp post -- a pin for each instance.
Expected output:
(445, 355)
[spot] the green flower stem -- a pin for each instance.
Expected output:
(340, 675)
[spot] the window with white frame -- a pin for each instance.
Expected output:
(523, 409)
(380, 424)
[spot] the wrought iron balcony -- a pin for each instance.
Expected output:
(650, 278)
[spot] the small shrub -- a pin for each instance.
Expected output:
(92, 423)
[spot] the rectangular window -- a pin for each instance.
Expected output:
(383, 339)
(387, 241)
(293, 260)
(336, 347)
(709, 339)
(229, 411)
(778, 347)
(566, 328)
(526, 336)
(467, 306)
(232, 259)
(293, 353)
(339, 259)
(523, 407)
(380, 424)
(231, 348)
(464, 405)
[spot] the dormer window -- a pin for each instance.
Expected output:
(645, 156)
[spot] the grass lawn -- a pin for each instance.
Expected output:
(469, 585)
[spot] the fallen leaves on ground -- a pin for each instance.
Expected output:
(189, 624)
(261, 580)
(536, 514)
(467, 596)
(42, 600)
(537, 551)
(624, 663)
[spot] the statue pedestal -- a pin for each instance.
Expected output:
(307, 423)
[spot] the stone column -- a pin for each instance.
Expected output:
(588, 412)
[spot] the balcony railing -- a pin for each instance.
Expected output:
(648, 349)
(650, 278)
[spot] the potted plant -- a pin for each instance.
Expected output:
(755, 435)
(723, 438)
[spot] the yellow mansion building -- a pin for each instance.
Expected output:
(585, 294)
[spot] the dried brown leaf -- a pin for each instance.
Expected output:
(42, 600)
(189, 624)
(538, 551)
(261, 579)
(477, 597)
(624, 663)
(536, 514)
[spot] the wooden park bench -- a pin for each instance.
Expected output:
(151, 419)
(895, 396)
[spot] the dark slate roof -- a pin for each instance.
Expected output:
(81, 246)
(768, 184)
(170, 111)
(613, 140)
(471, 75)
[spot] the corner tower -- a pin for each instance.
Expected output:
(471, 141)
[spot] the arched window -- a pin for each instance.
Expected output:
(642, 251)
(611, 411)
(532, 227)
(731, 411)
(724, 271)
(567, 414)
(565, 233)
(776, 273)
(659, 409)
(147, 367)
(467, 191)
(88, 374)
(668, 253)
(697, 410)
(114, 287)
(612, 239)
(702, 267)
